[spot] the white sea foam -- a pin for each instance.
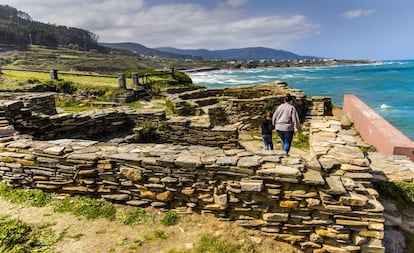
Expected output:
(385, 106)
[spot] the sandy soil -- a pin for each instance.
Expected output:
(105, 236)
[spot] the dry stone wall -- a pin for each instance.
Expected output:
(328, 208)
(237, 105)
(323, 202)
(197, 131)
(37, 102)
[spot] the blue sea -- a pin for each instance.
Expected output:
(387, 87)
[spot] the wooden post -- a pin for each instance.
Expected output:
(172, 75)
(122, 81)
(135, 80)
(54, 74)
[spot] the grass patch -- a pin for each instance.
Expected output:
(71, 104)
(300, 140)
(32, 197)
(134, 216)
(18, 237)
(14, 235)
(368, 149)
(170, 218)
(86, 207)
(402, 193)
(170, 107)
(82, 82)
(160, 234)
(208, 243)
(135, 105)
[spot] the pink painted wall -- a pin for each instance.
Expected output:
(375, 130)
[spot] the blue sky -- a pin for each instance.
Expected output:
(347, 29)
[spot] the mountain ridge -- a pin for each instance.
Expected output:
(246, 53)
(242, 54)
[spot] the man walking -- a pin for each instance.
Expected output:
(285, 119)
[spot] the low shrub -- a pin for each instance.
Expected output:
(170, 107)
(147, 132)
(170, 218)
(14, 235)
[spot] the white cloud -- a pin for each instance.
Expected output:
(178, 25)
(357, 13)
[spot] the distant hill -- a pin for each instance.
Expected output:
(145, 51)
(249, 53)
(244, 54)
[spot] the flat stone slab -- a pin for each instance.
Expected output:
(188, 161)
(127, 156)
(335, 186)
(227, 160)
(313, 177)
(280, 171)
(249, 161)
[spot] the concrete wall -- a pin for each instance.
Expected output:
(375, 130)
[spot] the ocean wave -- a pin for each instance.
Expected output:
(268, 77)
(385, 106)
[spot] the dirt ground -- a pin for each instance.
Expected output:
(104, 236)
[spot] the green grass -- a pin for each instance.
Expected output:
(67, 56)
(134, 216)
(160, 234)
(402, 193)
(300, 140)
(31, 197)
(70, 104)
(79, 81)
(86, 207)
(170, 218)
(14, 235)
(19, 237)
(208, 243)
(81, 206)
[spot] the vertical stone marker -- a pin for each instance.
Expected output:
(54, 74)
(122, 81)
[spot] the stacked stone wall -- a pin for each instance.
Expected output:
(91, 125)
(286, 198)
(242, 105)
(103, 124)
(42, 102)
(186, 131)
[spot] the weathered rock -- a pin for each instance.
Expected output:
(335, 185)
(313, 177)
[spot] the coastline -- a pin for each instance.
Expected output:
(287, 64)
(384, 86)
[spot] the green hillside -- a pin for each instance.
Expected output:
(17, 29)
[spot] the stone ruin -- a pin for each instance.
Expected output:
(323, 202)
